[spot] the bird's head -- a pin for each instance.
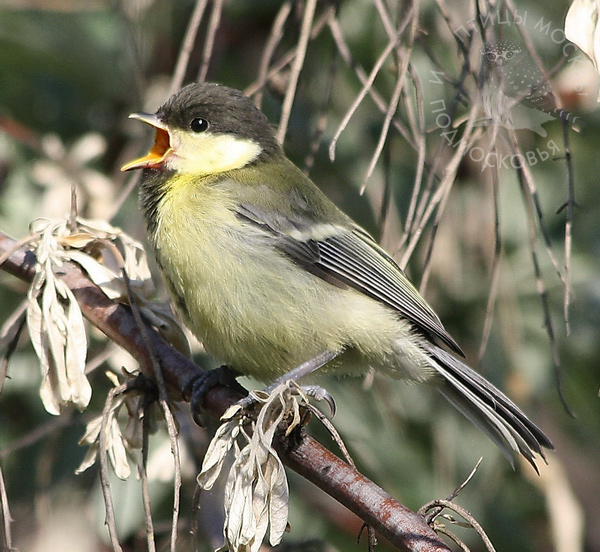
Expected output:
(206, 128)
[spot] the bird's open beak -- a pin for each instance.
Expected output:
(159, 151)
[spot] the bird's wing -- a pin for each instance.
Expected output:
(349, 257)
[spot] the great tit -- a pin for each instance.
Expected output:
(268, 273)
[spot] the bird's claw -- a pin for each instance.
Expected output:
(314, 391)
(321, 394)
(200, 384)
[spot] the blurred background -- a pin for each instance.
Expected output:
(380, 102)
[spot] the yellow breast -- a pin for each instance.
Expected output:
(251, 306)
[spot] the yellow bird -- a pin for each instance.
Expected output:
(269, 274)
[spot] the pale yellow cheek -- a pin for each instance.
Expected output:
(207, 153)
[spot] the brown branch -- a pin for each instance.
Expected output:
(405, 529)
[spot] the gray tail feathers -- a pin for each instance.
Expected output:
(488, 408)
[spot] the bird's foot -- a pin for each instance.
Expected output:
(141, 383)
(321, 394)
(314, 391)
(196, 389)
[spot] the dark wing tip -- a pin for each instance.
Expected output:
(489, 409)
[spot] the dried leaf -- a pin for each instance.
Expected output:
(78, 240)
(581, 28)
(217, 451)
(278, 502)
(76, 353)
(118, 446)
(55, 330)
(92, 431)
(117, 450)
(256, 492)
(108, 281)
(89, 459)
(35, 321)
(55, 322)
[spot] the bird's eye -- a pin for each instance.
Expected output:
(509, 55)
(199, 124)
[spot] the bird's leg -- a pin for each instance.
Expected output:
(305, 368)
(200, 384)
(299, 372)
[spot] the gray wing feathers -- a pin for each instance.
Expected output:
(351, 258)
(357, 260)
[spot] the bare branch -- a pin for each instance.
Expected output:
(489, 310)
(269, 49)
(402, 527)
(288, 100)
(187, 46)
(209, 43)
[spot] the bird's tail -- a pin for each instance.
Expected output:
(488, 408)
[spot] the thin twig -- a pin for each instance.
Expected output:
(289, 56)
(6, 515)
(194, 523)
(132, 183)
(109, 507)
(529, 182)
(442, 200)
(440, 529)
(570, 204)
(430, 517)
(163, 398)
(9, 338)
(418, 131)
(337, 439)
(404, 55)
(143, 475)
(344, 50)
(73, 209)
(288, 100)
(527, 40)
(543, 294)
(165, 406)
(385, 208)
(273, 41)
(187, 46)
(360, 97)
(16, 246)
(444, 187)
(371, 537)
(209, 43)
(416, 221)
(322, 116)
(495, 278)
(385, 127)
(467, 516)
